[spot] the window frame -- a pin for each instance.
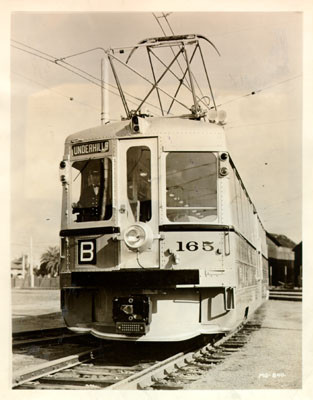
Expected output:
(71, 216)
(164, 217)
(138, 209)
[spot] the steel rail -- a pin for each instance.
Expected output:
(163, 368)
(169, 373)
(47, 339)
(32, 373)
(141, 377)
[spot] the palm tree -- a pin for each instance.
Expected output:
(50, 261)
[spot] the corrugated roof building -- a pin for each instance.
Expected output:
(281, 260)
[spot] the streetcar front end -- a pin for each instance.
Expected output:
(144, 251)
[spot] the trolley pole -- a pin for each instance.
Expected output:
(102, 93)
(106, 92)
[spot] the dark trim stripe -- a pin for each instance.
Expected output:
(90, 231)
(133, 279)
(195, 228)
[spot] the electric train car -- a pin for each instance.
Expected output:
(159, 238)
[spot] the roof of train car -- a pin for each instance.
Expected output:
(155, 126)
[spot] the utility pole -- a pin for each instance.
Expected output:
(23, 266)
(31, 263)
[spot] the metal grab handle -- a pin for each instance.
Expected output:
(226, 243)
(229, 298)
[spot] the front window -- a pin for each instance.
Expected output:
(92, 190)
(191, 187)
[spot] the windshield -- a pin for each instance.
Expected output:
(91, 190)
(191, 187)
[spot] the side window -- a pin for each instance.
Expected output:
(191, 186)
(139, 182)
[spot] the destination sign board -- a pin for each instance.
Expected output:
(90, 148)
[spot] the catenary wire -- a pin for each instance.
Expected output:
(172, 32)
(54, 91)
(54, 60)
(265, 123)
(259, 90)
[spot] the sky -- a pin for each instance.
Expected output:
(261, 53)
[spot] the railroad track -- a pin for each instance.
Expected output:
(285, 294)
(29, 338)
(181, 369)
(111, 367)
(91, 369)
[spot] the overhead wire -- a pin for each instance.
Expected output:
(172, 32)
(62, 59)
(259, 90)
(60, 65)
(169, 25)
(265, 123)
(165, 17)
(164, 33)
(252, 93)
(54, 91)
(68, 66)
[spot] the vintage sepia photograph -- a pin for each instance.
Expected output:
(156, 179)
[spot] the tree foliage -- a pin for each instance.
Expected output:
(50, 262)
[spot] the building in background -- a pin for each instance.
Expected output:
(281, 258)
(19, 266)
(298, 265)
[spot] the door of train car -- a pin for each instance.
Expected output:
(137, 188)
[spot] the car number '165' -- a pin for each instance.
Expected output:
(194, 246)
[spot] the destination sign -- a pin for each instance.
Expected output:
(90, 148)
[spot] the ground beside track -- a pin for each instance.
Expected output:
(34, 309)
(270, 360)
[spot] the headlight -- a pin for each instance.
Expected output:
(64, 172)
(138, 237)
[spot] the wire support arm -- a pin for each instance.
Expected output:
(155, 85)
(118, 84)
(153, 73)
(172, 38)
(191, 81)
(147, 80)
(207, 76)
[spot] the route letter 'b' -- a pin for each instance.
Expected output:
(87, 251)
